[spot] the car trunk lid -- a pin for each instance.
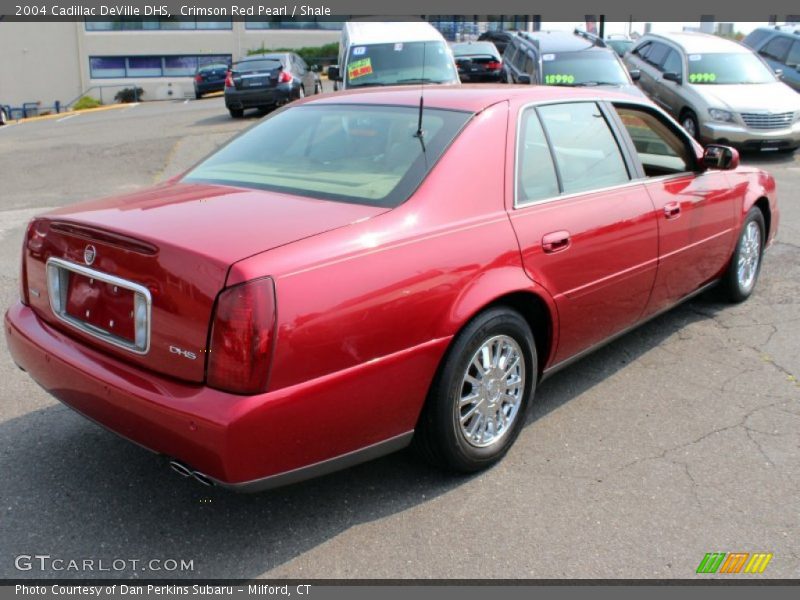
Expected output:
(170, 246)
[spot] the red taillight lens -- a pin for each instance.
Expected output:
(494, 65)
(198, 78)
(285, 77)
(229, 79)
(241, 338)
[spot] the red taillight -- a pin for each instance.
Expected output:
(198, 78)
(494, 65)
(285, 77)
(241, 338)
(228, 79)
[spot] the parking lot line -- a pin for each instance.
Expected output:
(62, 119)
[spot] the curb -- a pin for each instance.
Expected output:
(68, 113)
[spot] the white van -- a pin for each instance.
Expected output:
(373, 53)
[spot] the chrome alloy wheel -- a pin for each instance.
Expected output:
(491, 391)
(749, 256)
(689, 125)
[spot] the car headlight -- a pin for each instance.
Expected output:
(717, 114)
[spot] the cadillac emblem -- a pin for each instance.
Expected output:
(89, 254)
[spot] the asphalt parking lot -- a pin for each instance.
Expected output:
(680, 438)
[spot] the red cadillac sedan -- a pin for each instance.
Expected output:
(363, 271)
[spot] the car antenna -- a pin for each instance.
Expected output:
(420, 134)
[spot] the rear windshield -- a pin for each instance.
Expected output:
(214, 67)
(400, 63)
(583, 68)
(476, 49)
(363, 154)
(727, 69)
(266, 64)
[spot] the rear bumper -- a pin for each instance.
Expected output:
(240, 99)
(242, 442)
(208, 87)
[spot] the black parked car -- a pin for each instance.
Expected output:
(478, 61)
(498, 37)
(576, 59)
(210, 78)
(265, 81)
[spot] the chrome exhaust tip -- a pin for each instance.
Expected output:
(180, 468)
(202, 478)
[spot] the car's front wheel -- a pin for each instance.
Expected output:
(3, 116)
(689, 123)
(740, 278)
(236, 113)
(476, 405)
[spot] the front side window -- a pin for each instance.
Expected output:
(727, 68)
(586, 152)
(363, 154)
(536, 173)
(660, 149)
(400, 63)
(673, 63)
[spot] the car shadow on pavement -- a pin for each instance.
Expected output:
(73, 490)
(766, 159)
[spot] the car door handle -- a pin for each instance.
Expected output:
(555, 242)
(672, 210)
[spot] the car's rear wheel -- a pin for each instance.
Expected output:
(689, 123)
(197, 95)
(3, 116)
(301, 92)
(236, 113)
(317, 88)
(477, 403)
(740, 278)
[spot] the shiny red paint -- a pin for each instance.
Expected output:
(367, 299)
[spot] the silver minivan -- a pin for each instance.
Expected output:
(719, 90)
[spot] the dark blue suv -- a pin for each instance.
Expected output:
(780, 47)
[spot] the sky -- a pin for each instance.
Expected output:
(656, 27)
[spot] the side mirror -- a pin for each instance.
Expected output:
(635, 74)
(523, 78)
(334, 74)
(779, 73)
(672, 77)
(720, 157)
(314, 68)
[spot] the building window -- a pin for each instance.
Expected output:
(120, 67)
(165, 24)
(277, 23)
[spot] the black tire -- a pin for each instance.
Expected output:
(197, 95)
(317, 88)
(732, 285)
(439, 438)
(236, 113)
(788, 150)
(301, 92)
(689, 123)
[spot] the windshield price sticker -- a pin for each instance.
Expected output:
(398, 47)
(557, 78)
(359, 68)
(702, 77)
(695, 57)
(548, 57)
(359, 50)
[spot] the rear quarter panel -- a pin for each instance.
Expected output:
(400, 280)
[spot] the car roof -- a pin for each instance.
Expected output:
(470, 97)
(694, 42)
(559, 41)
(386, 32)
(271, 56)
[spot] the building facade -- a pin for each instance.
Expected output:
(45, 63)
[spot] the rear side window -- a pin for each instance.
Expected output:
(536, 174)
(586, 152)
(755, 38)
(777, 49)
(365, 154)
